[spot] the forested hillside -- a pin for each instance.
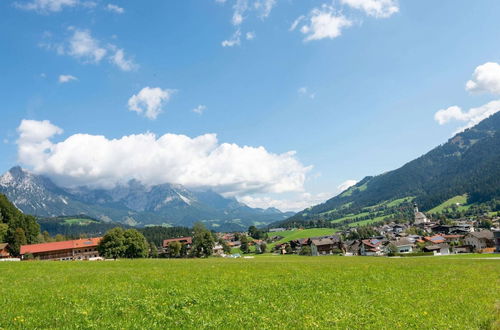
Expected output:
(468, 164)
(16, 228)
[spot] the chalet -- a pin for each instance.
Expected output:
(438, 249)
(496, 235)
(234, 244)
(4, 252)
(404, 245)
(480, 240)
(80, 249)
(351, 248)
(371, 247)
(218, 250)
(436, 239)
(453, 238)
(183, 240)
(276, 230)
(323, 245)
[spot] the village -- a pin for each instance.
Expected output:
(421, 237)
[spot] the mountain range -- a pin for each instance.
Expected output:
(468, 164)
(133, 203)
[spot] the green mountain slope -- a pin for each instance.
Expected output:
(468, 164)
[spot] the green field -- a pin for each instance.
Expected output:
(289, 235)
(78, 221)
(265, 292)
(462, 200)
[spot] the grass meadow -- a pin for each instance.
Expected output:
(264, 292)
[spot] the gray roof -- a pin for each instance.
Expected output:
(482, 234)
(402, 242)
(322, 241)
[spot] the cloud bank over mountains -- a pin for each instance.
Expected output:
(199, 162)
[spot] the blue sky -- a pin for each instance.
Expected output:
(354, 90)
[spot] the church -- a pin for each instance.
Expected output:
(420, 217)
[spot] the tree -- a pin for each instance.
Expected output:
(112, 244)
(244, 247)
(225, 247)
(3, 232)
(203, 241)
(305, 250)
(184, 251)
(46, 236)
(18, 239)
(263, 247)
(136, 245)
(391, 249)
(153, 250)
(174, 249)
(59, 238)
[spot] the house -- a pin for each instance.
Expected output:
(276, 230)
(496, 236)
(80, 249)
(438, 249)
(480, 240)
(4, 252)
(436, 239)
(404, 245)
(323, 245)
(453, 238)
(398, 228)
(183, 240)
(352, 248)
(371, 247)
(218, 250)
(234, 244)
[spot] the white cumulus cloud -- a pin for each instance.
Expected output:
(235, 40)
(46, 5)
(202, 161)
(250, 35)
(486, 78)
(242, 9)
(305, 92)
(65, 78)
(322, 23)
(200, 109)
(346, 185)
(150, 101)
(471, 117)
(114, 8)
(375, 8)
(84, 47)
(119, 59)
(33, 142)
(296, 203)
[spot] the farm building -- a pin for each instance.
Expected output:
(4, 252)
(323, 245)
(480, 240)
(183, 240)
(80, 249)
(404, 245)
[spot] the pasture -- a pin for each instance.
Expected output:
(264, 292)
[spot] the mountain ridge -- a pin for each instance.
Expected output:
(132, 203)
(468, 163)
